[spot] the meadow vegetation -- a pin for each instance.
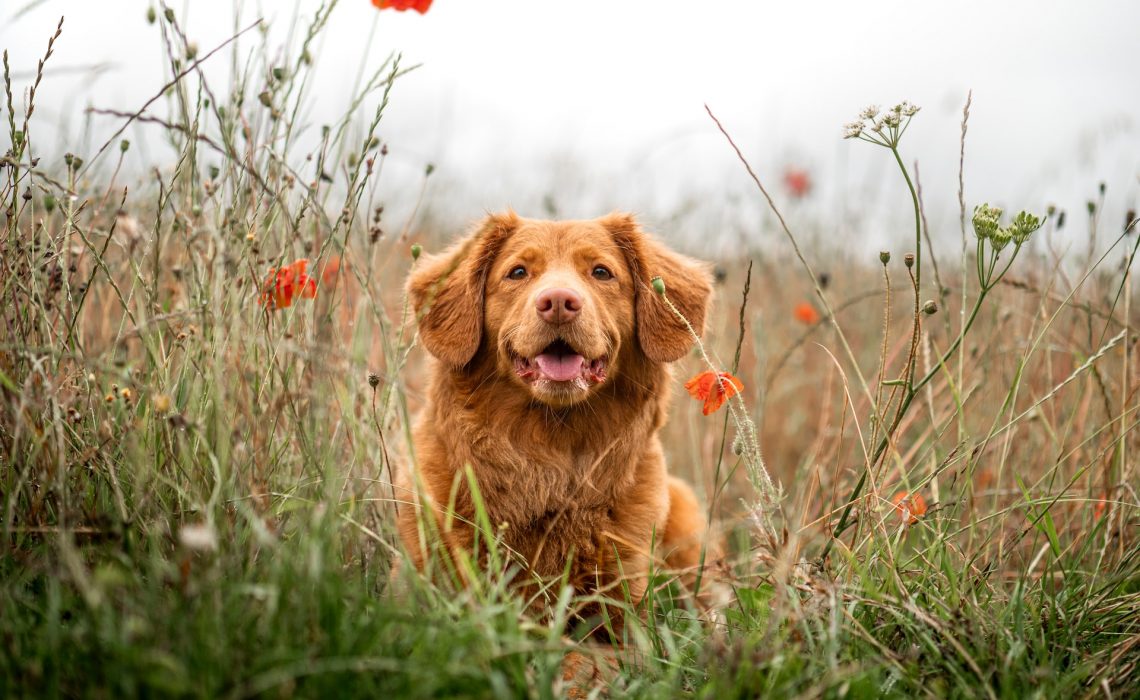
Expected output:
(927, 486)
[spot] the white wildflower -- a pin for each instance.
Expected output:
(853, 130)
(200, 537)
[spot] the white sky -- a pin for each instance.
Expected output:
(600, 104)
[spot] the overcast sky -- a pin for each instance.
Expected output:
(597, 105)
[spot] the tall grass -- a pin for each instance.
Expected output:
(196, 487)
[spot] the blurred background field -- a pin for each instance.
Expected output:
(196, 487)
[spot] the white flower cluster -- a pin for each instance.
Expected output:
(872, 119)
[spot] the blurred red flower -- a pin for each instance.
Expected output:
(910, 506)
(798, 182)
(420, 6)
(805, 313)
(1101, 506)
(283, 284)
(714, 388)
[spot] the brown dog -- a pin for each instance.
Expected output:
(551, 385)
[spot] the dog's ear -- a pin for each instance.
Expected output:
(662, 336)
(446, 291)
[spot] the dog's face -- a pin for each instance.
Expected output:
(557, 306)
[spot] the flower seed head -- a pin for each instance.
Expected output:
(908, 260)
(1024, 224)
(986, 220)
(373, 380)
(884, 256)
(905, 108)
(930, 307)
(161, 403)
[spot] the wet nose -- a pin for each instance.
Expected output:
(558, 305)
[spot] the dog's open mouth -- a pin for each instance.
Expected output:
(559, 362)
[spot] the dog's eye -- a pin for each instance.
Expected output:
(601, 272)
(518, 272)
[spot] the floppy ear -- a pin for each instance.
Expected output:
(662, 336)
(446, 291)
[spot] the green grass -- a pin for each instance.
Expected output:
(196, 491)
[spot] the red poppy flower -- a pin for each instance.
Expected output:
(1101, 506)
(798, 182)
(420, 6)
(283, 285)
(910, 506)
(806, 314)
(331, 270)
(714, 388)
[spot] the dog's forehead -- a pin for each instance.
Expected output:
(559, 238)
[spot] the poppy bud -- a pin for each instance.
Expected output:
(1091, 206)
(930, 307)
(151, 15)
(124, 146)
(416, 250)
(884, 256)
(191, 51)
(658, 285)
(168, 14)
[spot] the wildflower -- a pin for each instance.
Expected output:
(906, 109)
(420, 6)
(1101, 506)
(806, 314)
(853, 130)
(331, 270)
(200, 538)
(986, 220)
(869, 113)
(161, 403)
(714, 388)
(798, 182)
(283, 284)
(125, 394)
(910, 506)
(1023, 225)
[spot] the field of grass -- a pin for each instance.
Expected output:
(196, 488)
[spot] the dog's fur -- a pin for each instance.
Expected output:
(571, 472)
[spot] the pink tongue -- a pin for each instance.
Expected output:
(560, 368)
